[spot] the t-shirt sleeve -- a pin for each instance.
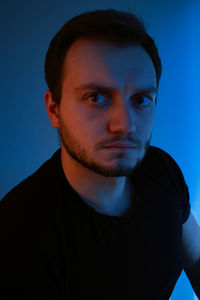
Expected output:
(186, 204)
(177, 180)
(182, 189)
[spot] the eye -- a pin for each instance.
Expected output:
(99, 99)
(141, 101)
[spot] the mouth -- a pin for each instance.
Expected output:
(121, 146)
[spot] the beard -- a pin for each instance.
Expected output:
(80, 155)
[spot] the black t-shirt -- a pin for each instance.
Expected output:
(55, 247)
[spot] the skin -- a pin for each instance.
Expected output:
(88, 120)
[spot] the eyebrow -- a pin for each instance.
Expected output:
(94, 86)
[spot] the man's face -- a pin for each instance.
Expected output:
(107, 107)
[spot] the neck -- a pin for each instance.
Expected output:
(107, 195)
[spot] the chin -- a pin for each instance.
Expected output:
(119, 170)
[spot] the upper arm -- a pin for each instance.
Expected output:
(191, 246)
(191, 242)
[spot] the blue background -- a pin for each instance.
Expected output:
(27, 138)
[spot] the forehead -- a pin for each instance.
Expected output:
(101, 61)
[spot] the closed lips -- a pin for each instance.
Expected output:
(120, 145)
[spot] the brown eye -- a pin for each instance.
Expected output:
(97, 99)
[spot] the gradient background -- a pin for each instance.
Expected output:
(27, 138)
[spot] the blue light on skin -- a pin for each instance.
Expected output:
(108, 96)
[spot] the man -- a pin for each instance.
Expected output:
(108, 216)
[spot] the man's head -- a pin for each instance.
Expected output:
(118, 27)
(111, 51)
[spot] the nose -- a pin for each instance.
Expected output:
(122, 119)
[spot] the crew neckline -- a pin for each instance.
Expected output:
(86, 207)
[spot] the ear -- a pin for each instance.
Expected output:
(52, 109)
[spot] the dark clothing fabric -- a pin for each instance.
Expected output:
(56, 247)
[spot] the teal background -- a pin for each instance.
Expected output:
(27, 138)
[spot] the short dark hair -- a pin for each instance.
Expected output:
(119, 27)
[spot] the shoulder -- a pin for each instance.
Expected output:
(159, 166)
(159, 155)
(32, 202)
(162, 171)
(36, 183)
(34, 197)
(159, 163)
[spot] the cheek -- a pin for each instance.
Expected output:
(83, 129)
(71, 117)
(145, 125)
